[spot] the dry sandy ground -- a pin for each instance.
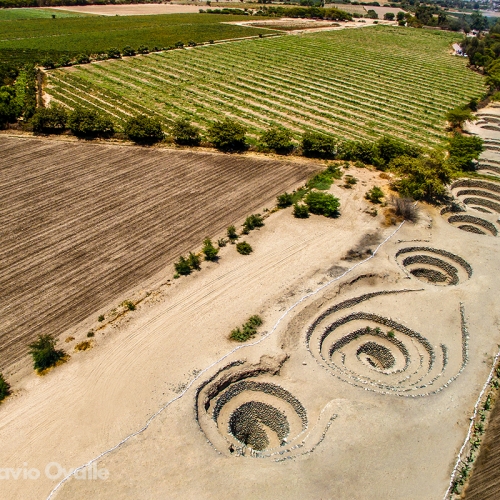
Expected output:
(355, 431)
(131, 9)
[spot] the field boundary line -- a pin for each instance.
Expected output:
(202, 372)
(448, 493)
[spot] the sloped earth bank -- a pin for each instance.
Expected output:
(364, 389)
(85, 224)
(483, 197)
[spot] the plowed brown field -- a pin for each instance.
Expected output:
(485, 481)
(82, 223)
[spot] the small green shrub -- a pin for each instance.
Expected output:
(252, 222)
(44, 352)
(244, 248)
(247, 331)
(375, 194)
(128, 51)
(129, 305)
(221, 242)
(232, 234)
(350, 181)
(143, 49)
(90, 334)
(82, 59)
(209, 250)
(4, 388)
(300, 211)
(100, 318)
(114, 53)
(194, 261)
(321, 181)
(322, 204)
(182, 266)
(285, 200)
(391, 334)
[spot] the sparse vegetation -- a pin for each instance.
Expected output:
(4, 388)
(44, 352)
(247, 331)
(128, 304)
(300, 210)
(252, 222)
(194, 261)
(405, 208)
(322, 204)
(209, 250)
(83, 346)
(232, 234)
(90, 334)
(375, 195)
(100, 318)
(182, 266)
(244, 248)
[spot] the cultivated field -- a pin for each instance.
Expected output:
(85, 223)
(485, 483)
(356, 83)
(35, 13)
(36, 39)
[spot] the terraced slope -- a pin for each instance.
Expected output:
(356, 83)
(84, 223)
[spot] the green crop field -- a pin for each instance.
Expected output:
(357, 83)
(21, 14)
(36, 39)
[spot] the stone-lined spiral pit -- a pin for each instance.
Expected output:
(434, 266)
(473, 224)
(377, 353)
(242, 415)
(252, 422)
(478, 194)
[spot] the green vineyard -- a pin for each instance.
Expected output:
(352, 84)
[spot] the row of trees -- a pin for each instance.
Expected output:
(484, 53)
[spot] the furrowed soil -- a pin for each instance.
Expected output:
(84, 223)
(485, 483)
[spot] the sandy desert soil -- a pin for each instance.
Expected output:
(85, 223)
(363, 375)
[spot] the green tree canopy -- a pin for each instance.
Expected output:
(143, 129)
(228, 135)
